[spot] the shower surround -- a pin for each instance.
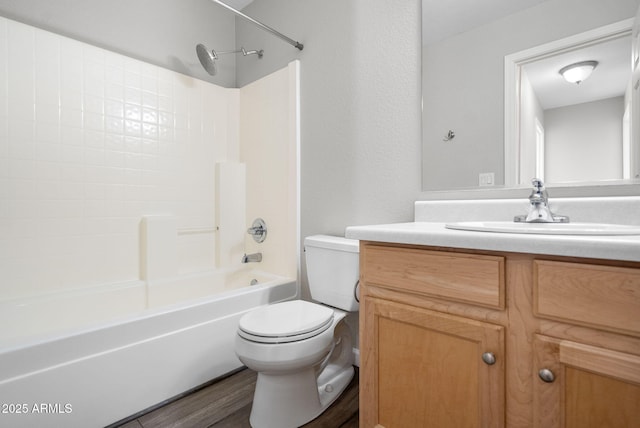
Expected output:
(93, 142)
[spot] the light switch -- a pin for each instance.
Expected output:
(486, 179)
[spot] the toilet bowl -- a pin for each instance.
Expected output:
(302, 351)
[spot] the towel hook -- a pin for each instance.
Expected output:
(450, 136)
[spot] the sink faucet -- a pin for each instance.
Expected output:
(249, 258)
(539, 211)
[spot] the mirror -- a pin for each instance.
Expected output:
(477, 131)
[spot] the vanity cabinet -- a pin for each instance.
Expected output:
(585, 386)
(428, 368)
(456, 338)
(579, 384)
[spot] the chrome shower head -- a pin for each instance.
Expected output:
(207, 59)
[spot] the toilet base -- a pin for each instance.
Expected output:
(293, 399)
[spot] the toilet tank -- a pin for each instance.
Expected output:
(333, 270)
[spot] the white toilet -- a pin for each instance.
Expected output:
(302, 351)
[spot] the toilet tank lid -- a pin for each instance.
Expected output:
(333, 243)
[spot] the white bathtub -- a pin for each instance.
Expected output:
(88, 359)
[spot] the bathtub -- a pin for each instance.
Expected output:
(88, 359)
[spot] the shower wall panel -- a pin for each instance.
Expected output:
(269, 115)
(90, 141)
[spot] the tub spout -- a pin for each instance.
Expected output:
(250, 258)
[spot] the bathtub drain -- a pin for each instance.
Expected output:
(254, 281)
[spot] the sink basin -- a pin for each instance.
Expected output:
(546, 228)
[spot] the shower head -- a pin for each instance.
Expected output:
(207, 59)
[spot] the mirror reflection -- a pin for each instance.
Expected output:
(478, 132)
(583, 113)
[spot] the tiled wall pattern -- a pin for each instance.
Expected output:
(90, 141)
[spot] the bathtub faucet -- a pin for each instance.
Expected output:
(249, 258)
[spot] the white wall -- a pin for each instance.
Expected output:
(591, 131)
(360, 105)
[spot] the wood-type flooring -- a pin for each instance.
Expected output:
(227, 404)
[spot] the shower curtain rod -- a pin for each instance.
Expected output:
(261, 25)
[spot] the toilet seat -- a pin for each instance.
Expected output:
(285, 322)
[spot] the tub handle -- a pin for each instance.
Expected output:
(258, 230)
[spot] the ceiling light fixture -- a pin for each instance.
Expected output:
(576, 73)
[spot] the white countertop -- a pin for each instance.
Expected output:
(435, 234)
(431, 217)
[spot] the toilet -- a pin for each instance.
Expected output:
(301, 350)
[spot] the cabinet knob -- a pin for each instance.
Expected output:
(546, 375)
(489, 358)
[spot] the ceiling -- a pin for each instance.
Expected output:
(609, 79)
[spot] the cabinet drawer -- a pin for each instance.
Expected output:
(601, 296)
(469, 278)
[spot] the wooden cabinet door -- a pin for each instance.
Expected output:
(585, 387)
(421, 368)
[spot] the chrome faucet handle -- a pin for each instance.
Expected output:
(539, 193)
(258, 230)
